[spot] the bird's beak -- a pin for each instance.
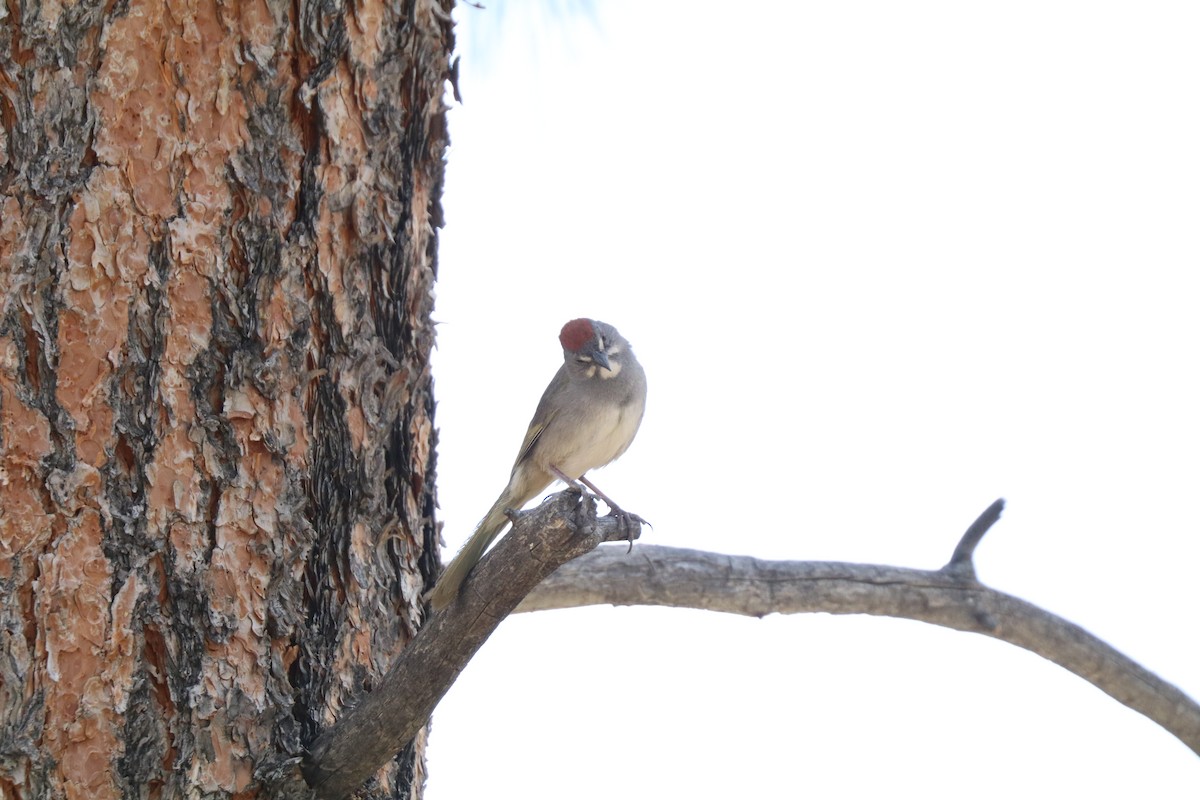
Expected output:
(601, 358)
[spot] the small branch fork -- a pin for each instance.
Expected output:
(551, 560)
(961, 564)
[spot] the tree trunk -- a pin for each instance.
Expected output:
(218, 230)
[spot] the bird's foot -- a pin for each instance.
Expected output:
(628, 520)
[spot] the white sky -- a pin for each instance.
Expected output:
(883, 262)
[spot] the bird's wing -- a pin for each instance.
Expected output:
(542, 416)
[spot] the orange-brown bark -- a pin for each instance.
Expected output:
(217, 245)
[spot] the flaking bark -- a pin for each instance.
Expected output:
(217, 247)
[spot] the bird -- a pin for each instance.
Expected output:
(587, 417)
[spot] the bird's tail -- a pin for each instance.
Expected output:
(453, 576)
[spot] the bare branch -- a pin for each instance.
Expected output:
(562, 528)
(556, 544)
(668, 576)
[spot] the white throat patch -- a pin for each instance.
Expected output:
(614, 365)
(605, 374)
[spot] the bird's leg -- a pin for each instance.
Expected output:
(612, 506)
(627, 518)
(574, 484)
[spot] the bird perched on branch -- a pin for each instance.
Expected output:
(587, 417)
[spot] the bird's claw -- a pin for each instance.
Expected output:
(627, 520)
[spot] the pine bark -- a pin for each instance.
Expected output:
(218, 232)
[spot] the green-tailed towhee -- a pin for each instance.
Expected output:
(587, 416)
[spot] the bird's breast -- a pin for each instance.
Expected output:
(595, 439)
